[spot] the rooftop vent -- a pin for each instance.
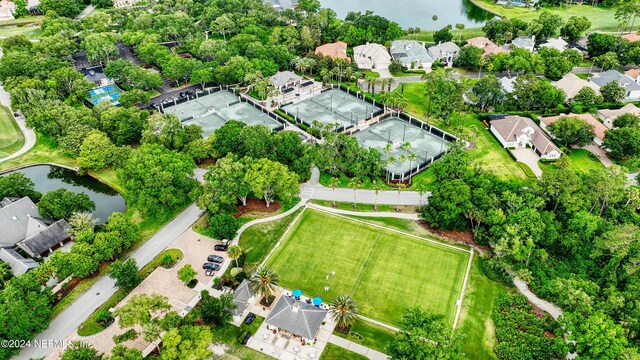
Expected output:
(14, 218)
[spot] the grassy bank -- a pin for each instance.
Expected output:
(579, 160)
(335, 352)
(31, 32)
(368, 334)
(602, 17)
(366, 207)
(11, 139)
(91, 325)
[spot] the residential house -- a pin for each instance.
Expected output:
(598, 128)
(371, 56)
(634, 74)
(609, 115)
(445, 52)
(571, 84)
(489, 47)
(632, 88)
(282, 4)
(296, 317)
(23, 229)
(336, 50)
(242, 296)
(519, 132)
(7, 9)
(283, 80)
(507, 84)
(522, 42)
(555, 43)
(411, 54)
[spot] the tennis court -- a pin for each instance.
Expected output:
(212, 111)
(395, 131)
(332, 107)
(109, 93)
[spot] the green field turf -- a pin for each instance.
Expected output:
(385, 271)
(11, 139)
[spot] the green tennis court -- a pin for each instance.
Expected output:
(383, 270)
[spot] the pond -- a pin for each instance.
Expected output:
(47, 178)
(416, 13)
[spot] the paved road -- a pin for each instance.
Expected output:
(69, 320)
(29, 134)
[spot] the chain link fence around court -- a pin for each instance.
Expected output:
(333, 106)
(213, 109)
(424, 144)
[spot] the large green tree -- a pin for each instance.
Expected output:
(269, 179)
(216, 310)
(125, 273)
(18, 185)
(572, 131)
(62, 203)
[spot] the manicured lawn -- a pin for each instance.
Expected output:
(31, 32)
(579, 160)
(475, 318)
(11, 139)
(45, 150)
(374, 336)
(383, 270)
(259, 239)
(335, 352)
(427, 35)
(365, 207)
(602, 18)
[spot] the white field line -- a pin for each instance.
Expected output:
(464, 286)
(393, 230)
(286, 232)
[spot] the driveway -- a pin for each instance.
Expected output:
(68, 321)
(600, 153)
(529, 157)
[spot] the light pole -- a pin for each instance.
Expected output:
(404, 131)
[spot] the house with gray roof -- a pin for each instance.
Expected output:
(371, 56)
(515, 132)
(242, 296)
(522, 42)
(628, 83)
(445, 52)
(411, 54)
(24, 230)
(296, 317)
(284, 79)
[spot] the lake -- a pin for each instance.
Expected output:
(47, 178)
(416, 13)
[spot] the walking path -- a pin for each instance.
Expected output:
(357, 348)
(407, 216)
(29, 134)
(550, 308)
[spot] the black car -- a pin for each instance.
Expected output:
(250, 318)
(221, 247)
(215, 258)
(246, 338)
(211, 266)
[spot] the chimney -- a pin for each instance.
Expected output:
(295, 308)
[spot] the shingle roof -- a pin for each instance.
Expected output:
(633, 73)
(614, 113)
(512, 126)
(19, 264)
(624, 80)
(507, 83)
(598, 128)
(38, 243)
(571, 84)
(485, 44)
(241, 297)
(336, 50)
(443, 50)
(18, 221)
(523, 42)
(283, 78)
(408, 51)
(296, 317)
(555, 43)
(371, 54)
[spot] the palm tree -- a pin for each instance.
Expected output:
(81, 222)
(434, 18)
(421, 189)
(264, 282)
(344, 311)
(354, 183)
(402, 85)
(401, 186)
(311, 63)
(406, 146)
(371, 83)
(460, 27)
(390, 160)
(412, 157)
(151, 332)
(234, 253)
(334, 182)
(377, 186)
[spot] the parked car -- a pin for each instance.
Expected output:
(250, 318)
(215, 258)
(211, 266)
(209, 272)
(246, 338)
(223, 246)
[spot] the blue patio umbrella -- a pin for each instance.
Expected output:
(317, 301)
(297, 293)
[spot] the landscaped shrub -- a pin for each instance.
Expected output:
(125, 336)
(191, 284)
(495, 272)
(104, 318)
(223, 226)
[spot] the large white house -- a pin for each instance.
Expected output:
(411, 54)
(631, 87)
(371, 56)
(517, 132)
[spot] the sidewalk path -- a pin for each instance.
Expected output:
(550, 308)
(357, 348)
(362, 196)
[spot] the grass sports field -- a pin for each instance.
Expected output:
(385, 271)
(11, 139)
